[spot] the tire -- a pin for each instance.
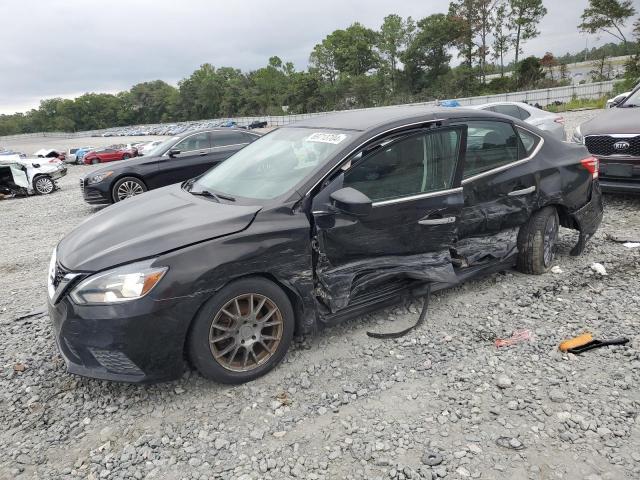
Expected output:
(127, 187)
(43, 185)
(239, 336)
(537, 241)
(95, 161)
(126, 156)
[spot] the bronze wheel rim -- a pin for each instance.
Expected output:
(246, 332)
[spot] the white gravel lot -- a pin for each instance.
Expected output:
(343, 405)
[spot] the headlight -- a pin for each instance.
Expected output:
(98, 177)
(577, 135)
(121, 284)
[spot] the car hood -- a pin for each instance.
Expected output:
(613, 120)
(148, 225)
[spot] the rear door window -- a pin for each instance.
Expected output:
(524, 114)
(225, 139)
(529, 141)
(199, 141)
(490, 145)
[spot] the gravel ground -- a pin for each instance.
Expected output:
(434, 404)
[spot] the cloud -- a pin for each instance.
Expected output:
(66, 47)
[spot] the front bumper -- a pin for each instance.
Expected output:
(96, 194)
(59, 173)
(620, 174)
(138, 342)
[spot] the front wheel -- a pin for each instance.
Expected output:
(537, 241)
(95, 161)
(127, 187)
(44, 185)
(242, 332)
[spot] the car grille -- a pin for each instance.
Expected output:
(604, 145)
(82, 185)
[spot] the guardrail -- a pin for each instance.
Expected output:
(543, 97)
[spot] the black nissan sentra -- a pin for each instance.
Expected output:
(315, 222)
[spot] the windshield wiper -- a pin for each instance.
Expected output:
(630, 105)
(215, 196)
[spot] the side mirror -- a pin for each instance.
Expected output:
(352, 202)
(173, 152)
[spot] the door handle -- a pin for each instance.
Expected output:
(524, 191)
(202, 153)
(437, 221)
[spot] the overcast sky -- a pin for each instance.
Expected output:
(51, 48)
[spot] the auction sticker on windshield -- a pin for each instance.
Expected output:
(334, 138)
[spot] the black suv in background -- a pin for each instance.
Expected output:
(614, 138)
(174, 160)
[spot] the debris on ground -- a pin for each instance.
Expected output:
(518, 336)
(599, 269)
(556, 269)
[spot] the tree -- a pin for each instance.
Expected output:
(524, 17)
(485, 27)
(549, 62)
(529, 72)
(427, 55)
(393, 37)
(502, 38)
(608, 16)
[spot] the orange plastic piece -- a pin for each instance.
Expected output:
(576, 341)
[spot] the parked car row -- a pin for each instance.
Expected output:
(179, 128)
(310, 224)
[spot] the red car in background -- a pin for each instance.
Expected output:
(110, 154)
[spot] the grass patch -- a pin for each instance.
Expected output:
(578, 103)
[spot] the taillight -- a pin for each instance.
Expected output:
(559, 120)
(592, 165)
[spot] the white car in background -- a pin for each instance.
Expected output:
(29, 175)
(547, 121)
(71, 154)
(612, 102)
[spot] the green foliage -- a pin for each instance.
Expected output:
(608, 16)
(576, 104)
(523, 20)
(529, 73)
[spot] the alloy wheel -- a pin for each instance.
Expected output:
(128, 189)
(246, 332)
(44, 185)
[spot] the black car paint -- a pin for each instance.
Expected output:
(165, 169)
(294, 242)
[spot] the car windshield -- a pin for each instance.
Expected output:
(162, 147)
(632, 100)
(272, 165)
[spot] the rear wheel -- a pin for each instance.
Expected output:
(44, 185)
(95, 161)
(537, 241)
(242, 332)
(127, 187)
(125, 156)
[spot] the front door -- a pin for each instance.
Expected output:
(414, 184)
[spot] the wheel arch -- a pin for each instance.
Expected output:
(294, 297)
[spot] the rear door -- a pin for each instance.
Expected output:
(501, 188)
(414, 184)
(195, 150)
(225, 143)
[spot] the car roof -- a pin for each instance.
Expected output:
(372, 118)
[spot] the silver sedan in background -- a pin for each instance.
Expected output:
(547, 121)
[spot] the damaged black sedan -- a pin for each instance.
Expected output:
(313, 223)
